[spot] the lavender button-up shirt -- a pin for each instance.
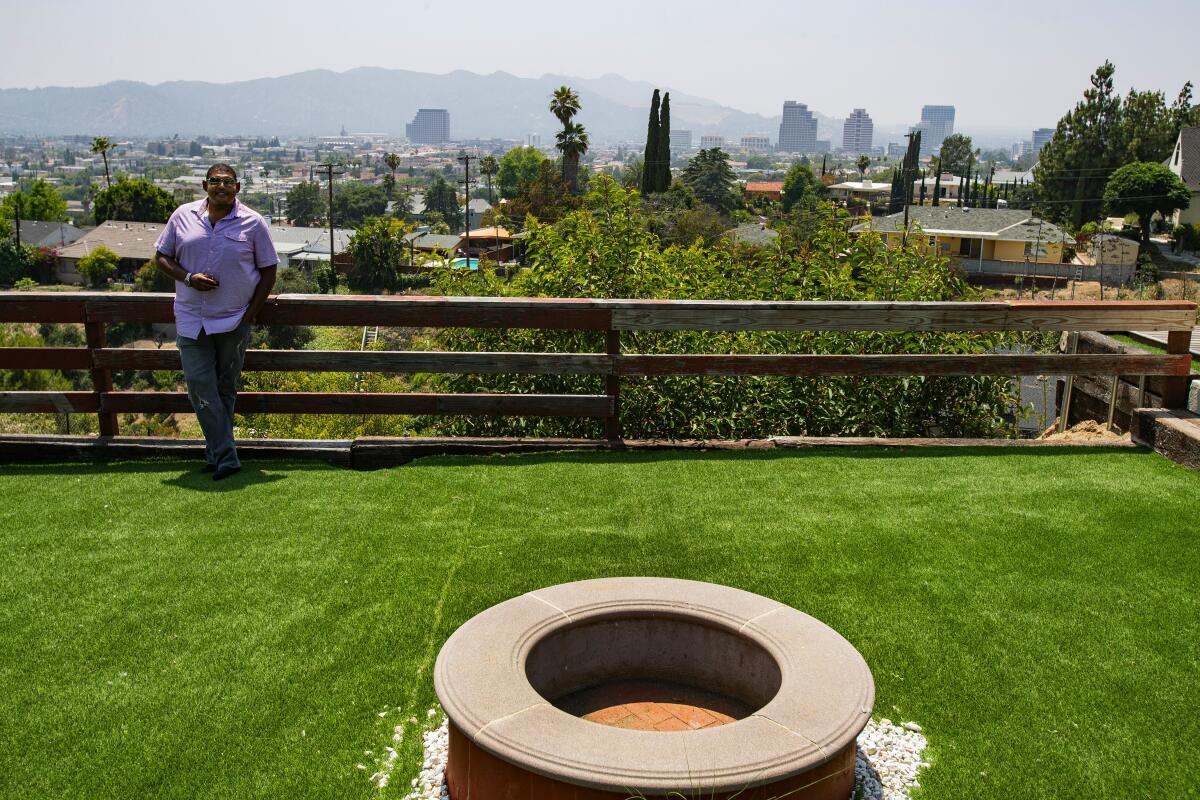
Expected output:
(232, 251)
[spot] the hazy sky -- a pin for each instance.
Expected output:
(1017, 64)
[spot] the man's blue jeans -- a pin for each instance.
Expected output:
(212, 367)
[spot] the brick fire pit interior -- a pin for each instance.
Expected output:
(600, 689)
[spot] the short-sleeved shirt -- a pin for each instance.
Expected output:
(232, 251)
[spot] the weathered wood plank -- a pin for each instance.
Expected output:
(49, 402)
(44, 358)
(354, 403)
(40, 307)
(879, 365)
(437, 312)
(131, 307)
(377, 361)
(101, 377)
(1175, 390)
(881, 316)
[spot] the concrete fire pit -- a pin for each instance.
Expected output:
(598, 689)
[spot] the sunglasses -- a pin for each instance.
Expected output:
(221, 181)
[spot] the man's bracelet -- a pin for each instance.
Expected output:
(187, 279)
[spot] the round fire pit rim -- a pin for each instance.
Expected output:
(481, 682)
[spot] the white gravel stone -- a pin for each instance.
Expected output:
(889, 758)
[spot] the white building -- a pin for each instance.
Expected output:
(681, 140)
(710, 140)
(1041, 137)
(757, 143)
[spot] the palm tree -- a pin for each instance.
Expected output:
(393, 163)
(101, 145)
(862, 164)
(564, 104)
(572, 142)
(488, 166)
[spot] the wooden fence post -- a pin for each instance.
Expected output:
(101, 376)
(1175, 389)
(612, 387)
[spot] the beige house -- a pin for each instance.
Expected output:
(983, 234)
(864, 192)
(133, 242)
(1185, 162)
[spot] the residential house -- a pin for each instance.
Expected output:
(948, 190)
(54, 235)
(303, 247)
(861, 193)
(133, 242)
(1185, 162)
(983, 234)
(772, 190)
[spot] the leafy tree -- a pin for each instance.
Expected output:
(1145, 188)
(16, 261)
(956, 152)
(100, 146)
(649, 183)
(710, 177)
(355, 202)
(378, 249)
(572, 142)
(392, 160)
(149, 278)
(441, 198)
(546, 197)
(99, 265)
(663, 167)
(488, 167)
(517, 166)
(402, 204)
(801, 189)
(306, 204)
(40, 202)
(136, 200)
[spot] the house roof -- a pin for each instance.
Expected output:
(1189, 162)
(764, 186)
(491, 233)
(49, 234)
(435, 241)
(1013, 225)
(753, 233)
(860, 186)
(133, 240)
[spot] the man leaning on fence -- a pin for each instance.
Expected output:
(220, 254)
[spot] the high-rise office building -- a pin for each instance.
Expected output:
(681, 141)
(1040, 137)
(798, 129)
(858, 133)
(711, 140)
(937, 122)
(429, 126)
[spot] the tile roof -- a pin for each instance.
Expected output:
(764, 186)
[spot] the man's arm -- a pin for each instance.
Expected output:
(174, 269)
(265, 284)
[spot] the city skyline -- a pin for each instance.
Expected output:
(993, 95)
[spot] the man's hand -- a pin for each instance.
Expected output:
(203, 282)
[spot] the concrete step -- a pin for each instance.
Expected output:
(1175, 434)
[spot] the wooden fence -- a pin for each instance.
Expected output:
(96, 310)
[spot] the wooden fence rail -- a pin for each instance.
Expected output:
(95, 310)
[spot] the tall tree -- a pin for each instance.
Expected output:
(306, 204)
(955, 153)
(40, 202)
(377, 250)
(650, 159)
(937, 182)
(488, 167)
(1145, 188)
(711, 178)
(863, 162)
(441, 197)
(101, 145)
(901, 194)
(355, 202)
(134, 201)
(1074, 166)
(662, 180)
(801, 189)
(564, 104)
(572, 142)
(392, 160)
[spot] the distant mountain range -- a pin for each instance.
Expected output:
(367, 99)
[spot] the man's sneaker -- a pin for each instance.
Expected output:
(221, 473)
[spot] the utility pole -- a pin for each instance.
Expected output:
(330, 171)
(466, 159)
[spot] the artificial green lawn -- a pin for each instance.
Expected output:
(164, 636)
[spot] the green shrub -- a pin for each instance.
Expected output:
(99, 265)
(16, 262)
(606, 251)
(1187, 237)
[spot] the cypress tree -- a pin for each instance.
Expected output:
(649, 178)
(663, 181)
(937, 185)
